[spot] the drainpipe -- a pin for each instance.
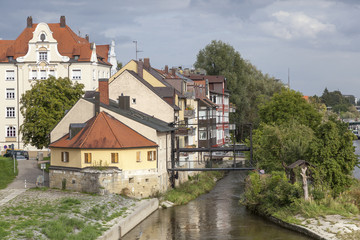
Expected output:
(69, 70)
(18, 105)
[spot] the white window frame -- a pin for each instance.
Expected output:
(10, 131)
(76, 76)
(10, 93)
(202, 133)
(43, 56)
(51, 73)
(8, 76)
(10, 112)
(34, 74)
(133, 100)
(42, 75)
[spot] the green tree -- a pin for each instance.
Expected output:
(286, 142)
(333, 154)
(44, 105)
(246, 83)
(289, 105)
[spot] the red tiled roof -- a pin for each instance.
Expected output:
(167, 75)
(69, 44)
(104, 132)
(211, 78)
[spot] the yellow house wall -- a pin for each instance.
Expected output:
(74, 156)
(132, 65)
(151, 79)
(127, 158)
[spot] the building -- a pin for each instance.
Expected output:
(100, 152)
(41, 50)
(141, 182)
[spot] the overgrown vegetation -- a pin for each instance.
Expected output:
(292, 129)
(7, 172)
(197, 185)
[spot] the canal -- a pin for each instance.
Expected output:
(216, 215)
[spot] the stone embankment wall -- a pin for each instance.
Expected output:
(140, 184)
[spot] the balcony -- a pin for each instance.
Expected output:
(185, 131)
(189, 113)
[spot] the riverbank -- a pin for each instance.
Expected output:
(196, 185)
(55, 214)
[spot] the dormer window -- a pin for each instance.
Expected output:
(76, 57)
(43, 56)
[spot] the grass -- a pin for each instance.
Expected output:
(7, 171)
(197, 185)
(64, 218)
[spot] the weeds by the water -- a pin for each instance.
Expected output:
(197, 185)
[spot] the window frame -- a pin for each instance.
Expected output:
(114, 157)
(42, 75)
(138, 156)
(10, 93)
(87, 158)
(65, 156)
(43, 56)
(10, 112)
(11, 130)
(76, 76)
(7, 75)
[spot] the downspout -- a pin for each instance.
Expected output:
(69, 70)
(18, 105)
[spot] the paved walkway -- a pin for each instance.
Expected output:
(28, 173)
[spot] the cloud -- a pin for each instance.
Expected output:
(296, 25)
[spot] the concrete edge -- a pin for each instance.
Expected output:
(122, 225)
(297, 228)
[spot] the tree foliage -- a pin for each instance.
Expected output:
(333, 154)
(246, 83)
(289, 105)
(286, 142)
(44, 105)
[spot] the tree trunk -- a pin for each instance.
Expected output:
(305, 185)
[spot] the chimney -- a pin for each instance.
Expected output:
(87, 37)
(97, 103)
(173, 71)
(124, 102)
(147, 63)
(29, 22)
(62, 21)
(140, 67)
(104, 90)
(166, 69)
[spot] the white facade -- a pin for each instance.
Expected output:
(42, 59)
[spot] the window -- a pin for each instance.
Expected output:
(151, 155)
(87, 157)
(42, 74)
(133, 100)
(10, 112)
(76, 74)
(65, 156)
(10, 75)
(138, 156)
(34, 74)
(10, 93)
(10, 131)
(42, 56)
(52, 73)
(202, 134)
(114, 158)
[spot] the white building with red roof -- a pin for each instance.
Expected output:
(41, 50)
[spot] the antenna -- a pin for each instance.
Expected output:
(136, 50)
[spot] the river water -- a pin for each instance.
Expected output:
(216, 215)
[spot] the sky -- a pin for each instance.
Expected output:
(314, 43)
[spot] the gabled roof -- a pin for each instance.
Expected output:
(69, 44)
(135, 115)
(104, 132)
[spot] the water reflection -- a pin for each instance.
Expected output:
(216, 215)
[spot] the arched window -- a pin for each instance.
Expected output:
(10, 131)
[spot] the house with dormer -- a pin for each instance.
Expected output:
(41, 50)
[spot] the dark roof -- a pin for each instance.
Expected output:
(136, 115)
(104, 132)
(154, 89)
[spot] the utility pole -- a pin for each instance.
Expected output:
(136, 50)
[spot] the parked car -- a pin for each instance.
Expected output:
(18, 154)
